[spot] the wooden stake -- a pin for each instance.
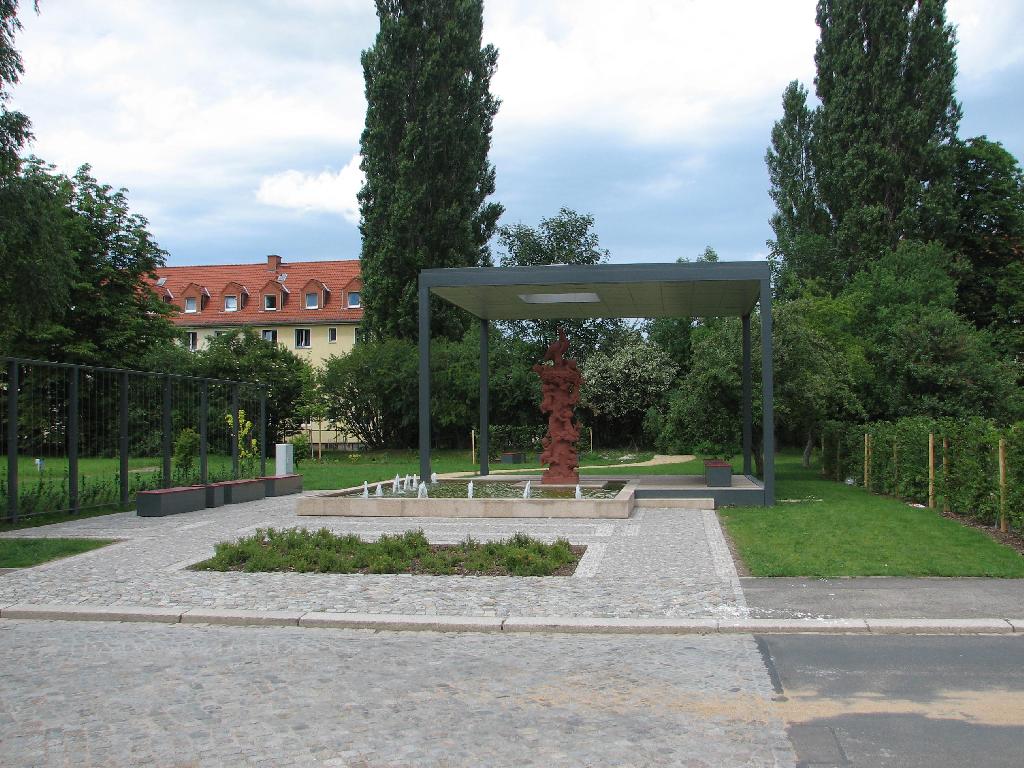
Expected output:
(1003, 522)
(472, 445)
(931, 470)
(945, 474)
(895, 467)
(866, 476)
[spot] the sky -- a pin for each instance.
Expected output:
(235, 124)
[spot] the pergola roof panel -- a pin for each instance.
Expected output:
(601, 290)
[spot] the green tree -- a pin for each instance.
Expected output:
(988, 240)
(425, 145)
(621, 385)
(372, 393)
(673, 334)
(926, 359)
(110, 316)
(241, 355)
(814, 382)
(567, 238)
(15, 127)
(800, 222)
(885, 72)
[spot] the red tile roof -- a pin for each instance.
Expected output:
(339, 277)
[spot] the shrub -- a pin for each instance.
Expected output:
(186, 451)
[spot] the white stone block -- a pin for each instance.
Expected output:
(284, 459)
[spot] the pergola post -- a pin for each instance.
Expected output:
(746, 398)
(424, 321)
(485, 328)
(767, 399)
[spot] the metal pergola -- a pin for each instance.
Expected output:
(716, 289)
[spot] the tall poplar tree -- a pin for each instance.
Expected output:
(425, 145)
(800, 222)
(888, 115)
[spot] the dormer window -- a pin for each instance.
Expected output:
(190, 304)
(270, 302)
(230, 303)
(353, 300)
(312, 301)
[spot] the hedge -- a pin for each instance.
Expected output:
(966, 473)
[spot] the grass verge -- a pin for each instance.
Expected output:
(303, 551)
(820, 528)
(22, 553)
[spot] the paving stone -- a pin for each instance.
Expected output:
(96, 694)
(660, 563)
(1017, 624)
(939, 626)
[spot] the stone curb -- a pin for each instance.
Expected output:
(561, 624)
(166, 615)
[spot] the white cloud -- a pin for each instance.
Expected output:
(324, 192)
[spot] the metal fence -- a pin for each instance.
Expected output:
(81, 437)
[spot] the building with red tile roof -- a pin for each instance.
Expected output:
(311, 307)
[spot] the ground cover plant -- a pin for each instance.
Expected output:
(303, 551)
(22, 553)
(820, 528)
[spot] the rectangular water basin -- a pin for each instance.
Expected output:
(601, 500)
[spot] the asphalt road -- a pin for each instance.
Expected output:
(901, 702)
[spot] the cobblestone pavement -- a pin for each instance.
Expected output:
(99, 694)
(658, 563)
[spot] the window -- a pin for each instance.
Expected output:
(270, 335)
(302, 338)
(360, 335)
(353, 299)
(193, 340)
(312, 301)
(270, 302)
(190, 304)
(230, 303)
(332, 335)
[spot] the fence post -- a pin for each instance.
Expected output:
(165, 449)
(867, 471)
(263, 431)
(123, 438)
(12, 441)
(73, 441)
(931, 470)
(1003, 522)
(204, 430)
(895, 468)
(234, 431)
(945, 474)
(472, 445)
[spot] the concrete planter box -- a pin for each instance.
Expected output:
(717, 473)
(214, 495)
(241, 491)
(282, 485)
(170, 501)
(513, 457)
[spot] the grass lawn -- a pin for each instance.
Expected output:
(838, 530)
(304, 551)
(21, 553)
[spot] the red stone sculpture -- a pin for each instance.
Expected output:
(560, 382)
